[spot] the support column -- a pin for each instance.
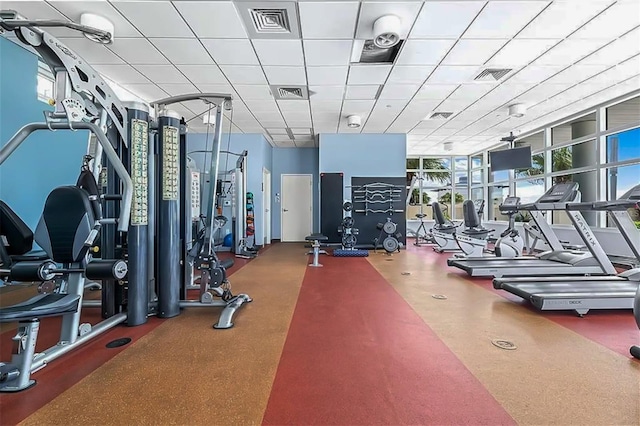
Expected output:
(168, 214)
(137, 243)
(583, 155)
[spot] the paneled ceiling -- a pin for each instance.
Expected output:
(565, 56)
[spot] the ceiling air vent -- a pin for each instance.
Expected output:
(270, 20)
(492, 74)
(278, 20)
(290, 92)
(440, 115)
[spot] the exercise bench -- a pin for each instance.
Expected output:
(315, 245)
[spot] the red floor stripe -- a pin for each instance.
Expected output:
(68, 370)
(356, 353)
(614, 329)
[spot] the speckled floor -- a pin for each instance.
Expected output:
(358, 341)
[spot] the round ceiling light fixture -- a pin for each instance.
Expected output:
(517, 110)
(386, 31)
(354, 121)
(100, 23)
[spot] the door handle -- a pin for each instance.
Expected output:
(285, 210)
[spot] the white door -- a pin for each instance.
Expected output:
(266, 197)
(296, 217)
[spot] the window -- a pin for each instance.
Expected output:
(44, 83)
(574, 129)
(619, 181)
(476, 161)
(529, 190)
(535, 141)
(497, 195)
(623, 146)
(627, 112)
(570, 157)
(462, 163)
(413, 163)
(436, 163)
(476, 177)
(500, 176)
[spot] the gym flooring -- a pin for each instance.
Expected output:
(360, 341)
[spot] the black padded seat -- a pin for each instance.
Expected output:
(31, 256)
(316, 237)
(421, 215)
(44, 305)
(479, 232)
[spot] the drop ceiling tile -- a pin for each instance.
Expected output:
(435, 91)
(162, 73)
(569, 51)
(327, 105)
(293, 106)
(562, 18)
(423, 52)
(137, 51)
(473, 52)
(449, 74)
(165, 21)
(444, 19)
(399, 91)
(206, 74)
(261, 105)
(273, 122)
(409, 74)
(301, 131)
(328, 20)
(326, 117)
(178, 89)
(73, 10)
(327, 52)
(301, 122)
(183, 51)
(268, 116)
(617, 51)
(121, 74)
(231, 51)
(370, 11)
(211, 19)
(148, 92)
(362, 92)
(362, 108)
(536, 73)
(327, 92)
(225, 89)
(91, 52)
(279, 52)
(244, 74)
(577, 73)
(286, 75)
(503, 19)
(470, 92)
(253, 92)
(612, 23)
(391, 106)
(277, 130)
(520, 52)
(327, 75)
(368, 74)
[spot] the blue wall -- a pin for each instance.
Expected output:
(363, 155)
(46, 159)
(259, 156)
(293, 161)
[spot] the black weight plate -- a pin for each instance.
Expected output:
(347, 206)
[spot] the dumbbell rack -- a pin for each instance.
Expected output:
(374, 194)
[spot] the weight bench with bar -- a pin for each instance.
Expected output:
(315, 244)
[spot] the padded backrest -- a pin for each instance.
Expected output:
(471, 218)
(438, 216)
(65, 225)
(15, 235)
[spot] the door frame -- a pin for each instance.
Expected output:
(282, 200)
(266, 205)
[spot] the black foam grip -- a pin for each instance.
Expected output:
(32, 271)
(226, 263)
(107, 269)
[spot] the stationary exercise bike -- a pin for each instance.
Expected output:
(510, 243)
(472, 241)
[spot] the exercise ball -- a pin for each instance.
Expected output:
(228, 240)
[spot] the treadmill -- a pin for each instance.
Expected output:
(581, 294)
(557, 261)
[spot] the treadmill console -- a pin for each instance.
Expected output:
(558, 193)
(509, 204)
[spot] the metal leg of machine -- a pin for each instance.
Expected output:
(316, 254)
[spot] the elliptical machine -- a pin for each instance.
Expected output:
(510, 243)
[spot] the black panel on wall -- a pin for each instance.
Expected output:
(331, 190)
(366, 223)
